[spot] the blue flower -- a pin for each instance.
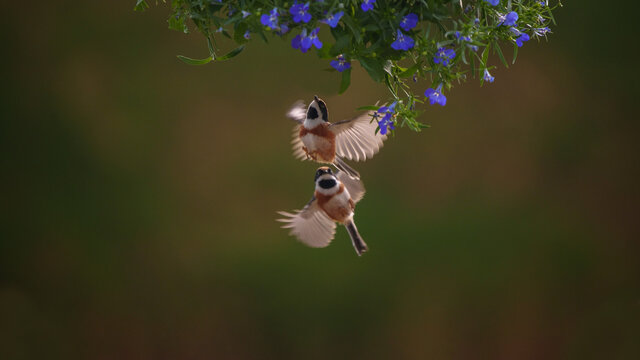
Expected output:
(304, 42)
(284, 28)
(245, 14)
(300, 12)
(403, 42)
(409, 22)
(487, 76)
(436, 96)
(270, 20)
(493, 2)
(509, 19)
(312, 39)
(367, 5)
(541, 31)
(296, 42)
(247, 35)
(444, 56)
(459, 37)
(521, 39)
(387, 120)
(332, 19)
(341, 64)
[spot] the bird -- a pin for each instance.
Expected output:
(333, 202)
(315, 138)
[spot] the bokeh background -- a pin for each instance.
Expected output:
(139, 197)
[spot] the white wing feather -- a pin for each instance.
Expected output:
(356, 139)
(297, 112)
(296, 144)
(355, 187)
(310, 225)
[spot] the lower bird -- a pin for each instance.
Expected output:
(317, 139)
(333, 202)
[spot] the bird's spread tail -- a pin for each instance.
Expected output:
(357, 241)
(342, 166)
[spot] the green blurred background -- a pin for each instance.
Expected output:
(139, 198)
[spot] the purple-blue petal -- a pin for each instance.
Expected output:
(511, 19)
(296, 42)
(409, 22)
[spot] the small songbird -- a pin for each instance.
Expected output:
(333, 201)
(317, 139)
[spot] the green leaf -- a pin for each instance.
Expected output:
(346, 81)
(178, 23)
(473, 66)
(500, 55)
(238, 32)
(389, 86)
(341, 43)
(515, 53)
(374, 67)
(355, 30)
(410, 71)
(230, 54)
(190, 61)
(485, 55)
(325, 51)
(263, 37)
(141, 5)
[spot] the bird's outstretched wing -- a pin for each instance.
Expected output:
(355, 187)
(356, 138)
(310, 225)
(296, 144)
(297, 112)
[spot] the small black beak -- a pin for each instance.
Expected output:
(315, 97)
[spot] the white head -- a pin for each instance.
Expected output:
(316, 113)
(326, 182)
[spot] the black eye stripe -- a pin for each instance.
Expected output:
(312, 113)
(327, 183)
(325, 114)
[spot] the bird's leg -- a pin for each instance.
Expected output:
(306, 151)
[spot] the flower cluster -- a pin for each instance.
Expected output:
(386, 122)
(396, 43)
(304, 41)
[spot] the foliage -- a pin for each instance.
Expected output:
(396, 42)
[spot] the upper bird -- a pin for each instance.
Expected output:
(317, 139)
